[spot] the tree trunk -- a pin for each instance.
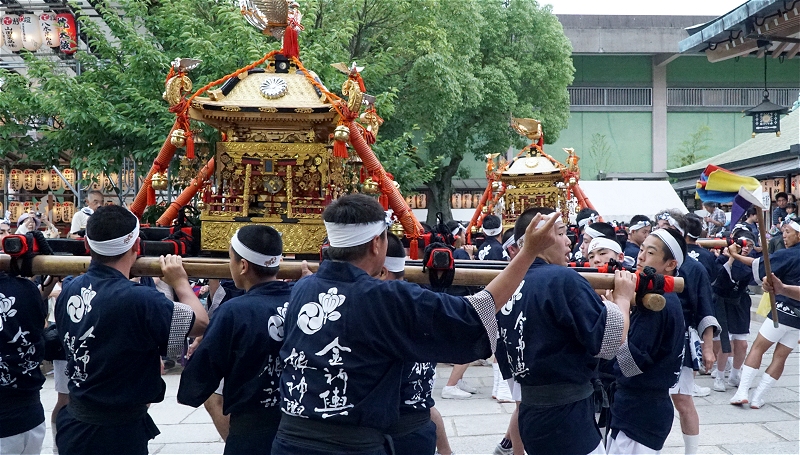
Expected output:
(441, 187)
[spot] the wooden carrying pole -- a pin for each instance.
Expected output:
(712, 244)
(762, 231)
(219, 268)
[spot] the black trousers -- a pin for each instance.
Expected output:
(75, 437)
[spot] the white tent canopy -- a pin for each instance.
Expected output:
(620, 200)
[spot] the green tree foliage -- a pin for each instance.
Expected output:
(447, 75)
(691, 150)
(113, 108)
(459, 69)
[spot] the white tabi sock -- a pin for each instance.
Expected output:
(758, 396)
(691, 444)
(741, 395)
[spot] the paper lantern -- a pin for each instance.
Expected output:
(55, 180)
(466, 200)
(42, 180)
(15, 207)
(2, 182)
(67, 210)
(28, 180)
(67, 33)
(69, 175)
(47, 27)
(15, 179)
(31, 34)
(12, 33)
(455, 200)
(57, 213)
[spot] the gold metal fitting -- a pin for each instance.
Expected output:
(341, 133)
(178, 138)
(369, 186)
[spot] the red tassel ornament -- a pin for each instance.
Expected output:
(151, 196)
(189, 146)
(339, 149)
(413, 249)
(291, 48)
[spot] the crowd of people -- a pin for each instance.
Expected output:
(344, 359)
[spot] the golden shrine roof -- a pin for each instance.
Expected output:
(530, 165)
(266, 93)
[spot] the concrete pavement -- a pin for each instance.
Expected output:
(474, 426)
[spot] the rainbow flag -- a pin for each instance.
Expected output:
(725, 187)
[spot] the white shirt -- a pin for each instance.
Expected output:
(79, 220)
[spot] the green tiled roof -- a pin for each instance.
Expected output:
(763, 148)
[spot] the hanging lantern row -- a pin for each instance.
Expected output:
(32, 31)
(48, 180)
(62, 211)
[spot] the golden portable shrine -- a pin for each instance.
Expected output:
(531, 179)
(284, 153)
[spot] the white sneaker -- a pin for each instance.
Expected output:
(719, 384)
(714, 373)
(453, 392)
(729, 366)
(503, 392)
(499, 450)
(733, 380)
(461, 384)
(700, 391)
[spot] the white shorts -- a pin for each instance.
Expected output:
(734, 337)
(60, 376)
(29, 442)
(685, 385)
(516, 389)
(785, 335)
(623, 445)
(221, 385)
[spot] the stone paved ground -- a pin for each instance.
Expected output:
(476, 425)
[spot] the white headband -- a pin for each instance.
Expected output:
(591, 219)
(793, 224)
(493, 232)
(674, 223)
(592, 232)
(639, 225)
(542, 222)
(604, 242)
(394, 264)
(346, 235)
(458, 229)
(253, 257)
(509, 242)
(114, 247)
(671, 243)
